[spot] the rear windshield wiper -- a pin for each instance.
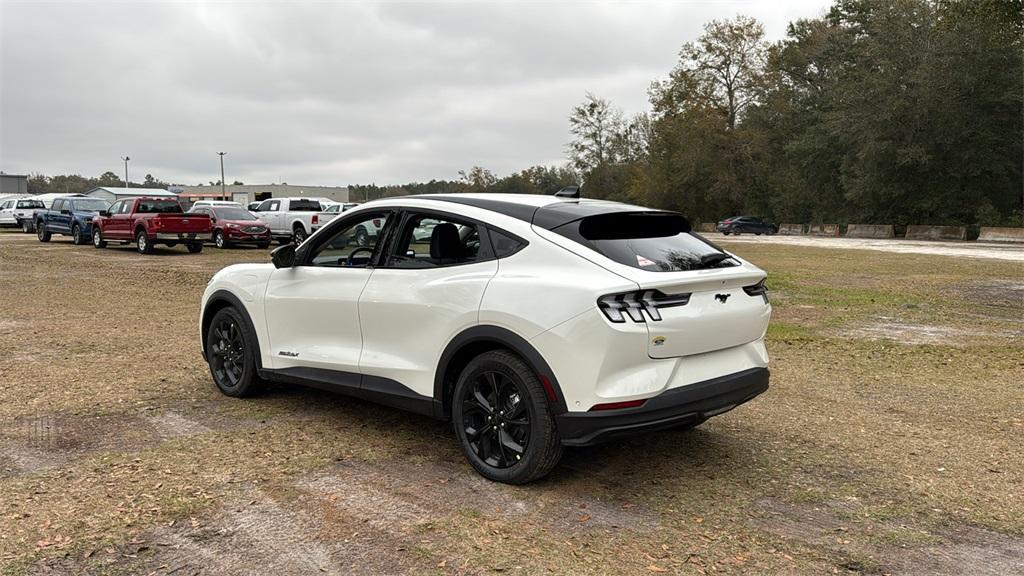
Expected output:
(709, 260)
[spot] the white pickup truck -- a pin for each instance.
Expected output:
(292, 219)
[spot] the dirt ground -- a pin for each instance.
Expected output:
(889, 442)
(996, 250)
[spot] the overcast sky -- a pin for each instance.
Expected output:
(327, 94)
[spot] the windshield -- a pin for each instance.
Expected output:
(654, 241)
(30, 204)
(159, 207)
(89, 205)
(232, 213)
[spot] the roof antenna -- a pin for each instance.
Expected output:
(569, 192)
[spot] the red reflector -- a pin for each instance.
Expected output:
(548, 388)
(617, 405)
(376, 222)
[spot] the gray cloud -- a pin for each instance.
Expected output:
(327, 93)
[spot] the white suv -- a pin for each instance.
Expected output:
(531, 322)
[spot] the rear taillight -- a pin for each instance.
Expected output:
(617, 405)
(315, 219)
(376, 222)
(633, 304)
(758, 289)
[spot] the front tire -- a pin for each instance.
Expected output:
(97, 239)
(263, 245)
(231, 354)
(42, 233)
(195, 247)
(76, 235)
(503, 421)
(142, 243)
(219, 240)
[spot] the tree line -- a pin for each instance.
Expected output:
(880, 111)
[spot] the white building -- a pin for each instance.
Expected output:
(112, 194)
(245, 193)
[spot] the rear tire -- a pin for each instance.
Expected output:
(299, 234)
(503, 420)
(142, 243)
(42, 233)
(26, 226)
(194, 247)
(231, 354)
(97, 239)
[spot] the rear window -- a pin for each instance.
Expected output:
(304, 206)
(159, 207)
(653, 241)
(30, 204)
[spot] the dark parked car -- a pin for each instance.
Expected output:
(746, 224)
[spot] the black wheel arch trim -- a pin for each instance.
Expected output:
(231, 300)
(504, 338)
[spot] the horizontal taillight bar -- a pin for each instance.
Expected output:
(633, 304)
(617, 405)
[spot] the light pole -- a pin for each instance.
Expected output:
(222, 193)
(126, 159)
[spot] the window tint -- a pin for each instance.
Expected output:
(303, 205)
(504, 245)
(57, 205)
(158, 207)
(354, 245)
(30, 204)
(654, 241)
(89, 205)
(269, 205)
(429, 241)
(230, 213)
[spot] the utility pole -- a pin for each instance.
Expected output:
(126, 159)
(222, 192)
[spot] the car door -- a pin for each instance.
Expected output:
(59, 216)
(119, 226)
(7, 212)
(423, 294)
(270, 213)
(312, 308)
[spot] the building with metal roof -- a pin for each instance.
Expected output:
(112, 194)
(245, 193)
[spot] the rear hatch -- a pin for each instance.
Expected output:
(182, 223)
(694, 297)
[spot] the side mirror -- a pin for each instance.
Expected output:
(283, 256)
(213, 220)
(104, 212)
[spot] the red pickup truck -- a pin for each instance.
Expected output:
(150, 221)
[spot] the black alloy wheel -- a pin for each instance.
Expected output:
(503, 420)
(496, 420)
(230, 353)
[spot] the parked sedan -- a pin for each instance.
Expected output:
(747, 224)
(234, 225)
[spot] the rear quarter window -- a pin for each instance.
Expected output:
(652, 241)
(304, 206)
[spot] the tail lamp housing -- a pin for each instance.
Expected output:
(617, 307)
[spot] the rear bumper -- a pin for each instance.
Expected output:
(174, 237)
(688, 404)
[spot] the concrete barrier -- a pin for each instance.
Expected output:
(992, 234)
(823, 230)
(706, 227)
(870, 231)
(791, 229)
(916, 232)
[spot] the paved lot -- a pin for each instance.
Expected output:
(993, 250)
(888, 443)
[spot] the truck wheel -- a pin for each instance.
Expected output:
(42, 233)
(142, 243)
(194, 247)
(299, 234)
(362, 238)
(26, 226)
(231, 354)
(97, 239)
(503, 420)
(76, 235)
(220, 241)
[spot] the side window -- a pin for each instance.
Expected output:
(5, 205)
(354, 245)
(504, 244)
(265, 206)
(126, 206)
(429, 241)
(58, 205)
(275, 205)
(114, 208)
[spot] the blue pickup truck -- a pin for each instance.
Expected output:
(69, 216)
